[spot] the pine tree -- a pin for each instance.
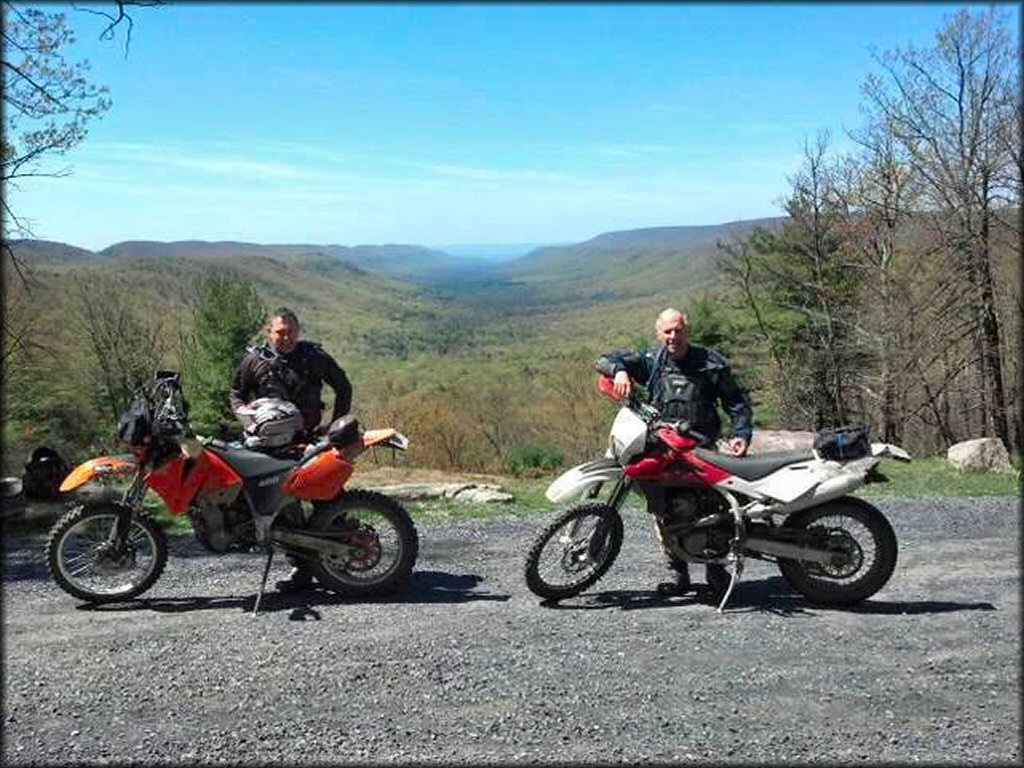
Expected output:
(226, 316)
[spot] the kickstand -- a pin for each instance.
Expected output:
(263, 584)
(737, 569)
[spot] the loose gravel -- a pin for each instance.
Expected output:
(466, 666)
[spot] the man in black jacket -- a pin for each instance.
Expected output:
(285, 366)
(295, 370)
(685, 381)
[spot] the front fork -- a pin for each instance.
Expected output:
(130, 502)
(615, 499)
(618, 493)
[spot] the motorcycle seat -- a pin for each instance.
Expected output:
(253, 463)
(753, 467)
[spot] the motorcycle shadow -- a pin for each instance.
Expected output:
(422, 587)
(771, 595)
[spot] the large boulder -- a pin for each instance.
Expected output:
(987, 454)
(770, 440)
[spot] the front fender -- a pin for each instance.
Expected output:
(100, 467)
(578, 479)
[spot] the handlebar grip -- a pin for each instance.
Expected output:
(683, 428)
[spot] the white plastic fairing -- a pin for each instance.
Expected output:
(629, 435)
(578, 479)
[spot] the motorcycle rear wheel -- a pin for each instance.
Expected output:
(86, 564)
(388, 539)
(866, 552)
(578, 559)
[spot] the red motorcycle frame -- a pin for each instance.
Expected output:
(711, 507)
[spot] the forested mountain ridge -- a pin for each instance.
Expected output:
(405, 261)
(612, 252)
(631, 263)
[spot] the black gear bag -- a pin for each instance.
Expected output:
(842, 443)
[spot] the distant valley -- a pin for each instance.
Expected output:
(684, 253)
(402, 302)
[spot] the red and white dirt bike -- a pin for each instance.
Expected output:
(357, 543)
(790, 508)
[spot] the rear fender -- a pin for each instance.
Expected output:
(385, 437)
(889, 451)
(583, 477)
(99, 468)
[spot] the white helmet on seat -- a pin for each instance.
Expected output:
(275, 422)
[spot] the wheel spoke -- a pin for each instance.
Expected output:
(87, 562)
(567, 558)
(862, 551)
(80, 570)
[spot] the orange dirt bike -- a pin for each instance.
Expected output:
(357, 543)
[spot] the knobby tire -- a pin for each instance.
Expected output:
(395, 513)
(610, 551)
(79, 514)
(820, 589)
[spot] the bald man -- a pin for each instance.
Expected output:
(685, 382)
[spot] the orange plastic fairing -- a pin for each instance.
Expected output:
(180, 480)
(319, 479)
(100, 467)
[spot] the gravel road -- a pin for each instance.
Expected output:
(466, 666)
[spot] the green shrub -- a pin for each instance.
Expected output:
(533, 457)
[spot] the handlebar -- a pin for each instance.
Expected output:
(647, 412)
(168, 419)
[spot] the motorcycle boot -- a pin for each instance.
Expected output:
(680, 584)
(298, 580)
(717, 580)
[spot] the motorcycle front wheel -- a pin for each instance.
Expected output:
(573, 551)
(864, 547)
(87, 562)
(383, 538)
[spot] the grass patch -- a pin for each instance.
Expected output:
(173, 525)
(937, 477)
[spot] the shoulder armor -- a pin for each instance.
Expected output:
(261, 351)
(714, 361)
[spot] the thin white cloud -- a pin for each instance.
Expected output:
(490, 174)
(632, 150)
(205, 161)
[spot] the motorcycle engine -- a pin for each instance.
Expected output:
(684, 507)
(222, 524)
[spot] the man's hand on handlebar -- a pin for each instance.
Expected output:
(737, 446)
(623, 384)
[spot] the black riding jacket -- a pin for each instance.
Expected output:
(688, 388)
(298, 376)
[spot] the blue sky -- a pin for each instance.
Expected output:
(455, 123)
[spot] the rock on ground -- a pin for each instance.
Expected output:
(767, 440)
(984, 453)
(474, 493)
